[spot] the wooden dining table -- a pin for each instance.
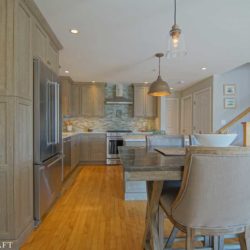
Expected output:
(153, 166)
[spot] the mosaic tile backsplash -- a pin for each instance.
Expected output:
(117, 116)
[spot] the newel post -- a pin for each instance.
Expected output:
(246, 133)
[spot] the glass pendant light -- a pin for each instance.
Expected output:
(176, 43)
(159, 87)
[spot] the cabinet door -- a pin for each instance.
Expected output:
(98, 100)
(97, 147)
(39, 42)
(66, 96)
(52, 57)
(76, 100)
(139, 101)
(78, 148)
(84, 148)
(150, 104)
(87, 100)
(75, 151)
(23, 53)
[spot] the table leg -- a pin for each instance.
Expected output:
(151, 233)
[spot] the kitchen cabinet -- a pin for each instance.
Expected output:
(52, 58)
(75, 150)
(93, 148)
(144, 104)
(39, 42)
(44, 48)
(66, 83)
(92, 99)
(24, 35)
(75, 100)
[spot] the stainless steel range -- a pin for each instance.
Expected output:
(114, 140)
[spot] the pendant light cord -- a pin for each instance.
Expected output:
(159, 66)
(174, 12)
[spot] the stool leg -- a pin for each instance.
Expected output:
(171, 237)
(207, 241)
(245, 239)
(190, 239)
(221, 242)
(216, 242)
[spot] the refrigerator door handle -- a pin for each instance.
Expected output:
(53, 162)
(53, 115)
(57, 113)
(49, 121)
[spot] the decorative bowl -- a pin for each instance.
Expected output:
(215, 140)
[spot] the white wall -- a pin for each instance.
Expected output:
(241, 78)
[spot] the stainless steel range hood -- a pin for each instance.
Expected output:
(118, 98)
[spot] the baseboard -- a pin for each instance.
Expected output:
(17, 243)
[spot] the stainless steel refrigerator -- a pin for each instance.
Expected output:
(47, 139)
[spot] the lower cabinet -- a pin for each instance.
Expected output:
(71, 151)
(93, 148)
(75, 150)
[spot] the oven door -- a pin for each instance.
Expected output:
(113, 143)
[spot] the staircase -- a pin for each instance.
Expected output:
(240, 125)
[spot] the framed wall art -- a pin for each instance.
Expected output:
(229, 89)
(229, 103)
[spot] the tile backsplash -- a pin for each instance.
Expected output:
(117, 116)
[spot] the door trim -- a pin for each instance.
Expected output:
(182, 112)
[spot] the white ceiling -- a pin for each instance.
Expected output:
(118, 38)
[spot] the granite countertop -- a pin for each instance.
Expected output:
(142, 159)
(70, 134)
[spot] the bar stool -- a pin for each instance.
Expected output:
(214, 198)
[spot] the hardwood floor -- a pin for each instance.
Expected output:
(92, 215)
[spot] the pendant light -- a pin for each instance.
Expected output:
(176, 43)
(159, 87)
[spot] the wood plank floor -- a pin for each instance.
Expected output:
(92, 215)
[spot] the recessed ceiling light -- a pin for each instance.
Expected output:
(203, 68)
(93, 81)
(74, 31)
(171, 88)
(146, 82)
(66, 71)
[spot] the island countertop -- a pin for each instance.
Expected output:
(139, 163)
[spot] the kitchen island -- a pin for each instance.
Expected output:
(142, 164)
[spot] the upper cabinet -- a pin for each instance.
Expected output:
(92, 100)
(82, 99)
(76, 100)
(144, 104)
(39, 42)
(23, 52)
(52, 58)
(66, 89)
(44, 48)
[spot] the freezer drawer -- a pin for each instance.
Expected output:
(48, 181)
